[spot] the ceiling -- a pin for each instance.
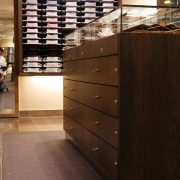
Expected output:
(7, 19)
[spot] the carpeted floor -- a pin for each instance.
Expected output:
(42, 156)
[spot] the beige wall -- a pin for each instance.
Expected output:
(7, 42)
(40, 93)
(140, 2)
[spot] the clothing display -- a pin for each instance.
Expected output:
(45, 25)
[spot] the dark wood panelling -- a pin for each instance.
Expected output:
(150, 107)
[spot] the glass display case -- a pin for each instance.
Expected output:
(128, 18)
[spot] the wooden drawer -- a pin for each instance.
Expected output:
(73, 89)
(73, 129)
(72, 70)
(83, 51)
(101, 97)
(103, 70)
(73, 109)
(101, 152)
(102, 125)
(104, 47)
(70, 54)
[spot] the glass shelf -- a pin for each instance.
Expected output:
(128, 18)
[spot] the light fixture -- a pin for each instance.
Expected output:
(167, 2)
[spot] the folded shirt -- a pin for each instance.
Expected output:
(51, 42)
(71, 4)
(32, 1)
(70, 26)
(70, 20)
(31, 7)
(92, 4)
(51, 2)
(107, 9)
(51, 8)
(48, 13)
(31, 13)
(108, 4)
(52, 31)
(71, 9)
(32, 64)
(51, 19)
(52, 65)
(32, 41)
(52, 59)
(69, 14)
(90, 15)
(87, 9)
(32, 30)
(32, 36)
(31, 24)
(32, 58)
(38, 70)
(51, 36)
(52, 25)
(29, 18)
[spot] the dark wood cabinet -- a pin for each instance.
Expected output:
(130, 100)
(91, 98)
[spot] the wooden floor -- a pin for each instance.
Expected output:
(29, 124)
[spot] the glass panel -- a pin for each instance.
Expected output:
(128, 18)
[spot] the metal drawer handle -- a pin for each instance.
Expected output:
(95, 70)
(97, 123)
(101, 50)
(115, 101)
(71, 108)
(116, 132)
(96, 97)
(116, 70)
(94, 149)
(69, 56)
(70, 128)
(82, 53)
(71, 89)
(115, 163)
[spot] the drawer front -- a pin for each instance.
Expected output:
(70, 54)
(102, 153)
(73, 109)
(73, 129)
(73, 89)
(102, 70)
(105, 46)
(102, 125)
(72, 70)
(101, 97)
(83, 51)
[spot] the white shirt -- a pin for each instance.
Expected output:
(2, 64)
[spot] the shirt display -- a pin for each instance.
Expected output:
(45, 25)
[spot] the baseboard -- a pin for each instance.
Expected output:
(41, 113)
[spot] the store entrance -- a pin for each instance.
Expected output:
(7, 96)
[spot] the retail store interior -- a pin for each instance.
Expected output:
(53, 48)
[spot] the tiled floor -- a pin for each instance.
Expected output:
(23, 124)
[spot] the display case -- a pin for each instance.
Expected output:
(44, 25)
(128, 18)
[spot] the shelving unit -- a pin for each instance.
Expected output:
(45, 23)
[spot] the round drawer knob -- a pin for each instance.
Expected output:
(115, 101)
(115, 163)
(116, 70)
(97, 123)
(116, 132)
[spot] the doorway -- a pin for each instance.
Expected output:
(8, 97)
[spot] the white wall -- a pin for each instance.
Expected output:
(40, 93)
(140, 2)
